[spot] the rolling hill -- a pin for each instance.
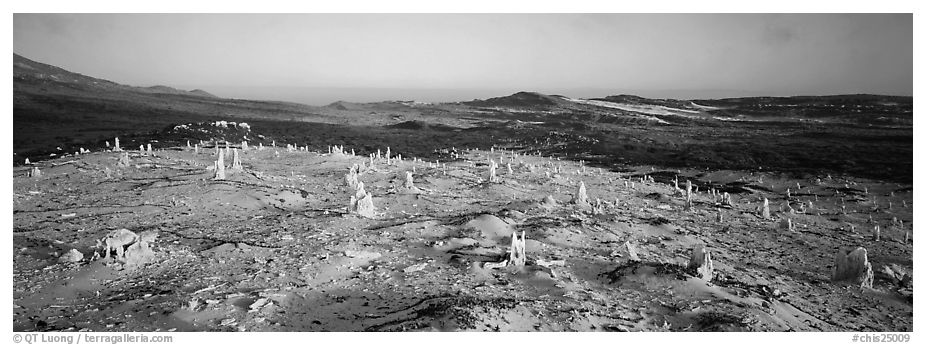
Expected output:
(57, 111)
(74, 110)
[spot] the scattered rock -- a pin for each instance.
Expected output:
(140, 253)
(764, 211)
(548, 264)
(124, 159)
(236, 162)
(195, 304)
(361, 203)
(631, 252)
(220, 168)
(352, 176)
(258, 304)
(362, 255)
(72, 255)
(492, 177)
(548, 202)
(853, 266)
(898, 275)
(581, 197)
(117, 240)
(701, 263)
(516, 253)
(415, 267)
(496, 265)
(409, 185)
(726, 200)
(598, 208)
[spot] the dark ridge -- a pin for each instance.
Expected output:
(203, 93)
(339, 105)
(32, 72)
(520, 99)
(623, 99)
(421, 126)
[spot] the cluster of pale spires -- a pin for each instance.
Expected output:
(850, 266)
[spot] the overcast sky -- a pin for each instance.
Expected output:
(318, 58)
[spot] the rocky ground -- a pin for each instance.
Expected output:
(273, 246)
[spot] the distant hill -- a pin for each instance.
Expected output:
(624, 99)
(338, 105)
(520, 99)
(866, 110)
(54, 107)
(173, 91)
(36, 82)
(26, 71)
(853, 98)
(861, 108)
(57, 111)
(203, 93)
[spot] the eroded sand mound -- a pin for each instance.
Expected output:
(490, 227)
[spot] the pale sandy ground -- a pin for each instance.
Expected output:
(272, 249)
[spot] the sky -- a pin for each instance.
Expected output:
(321, 58)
